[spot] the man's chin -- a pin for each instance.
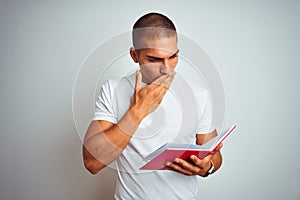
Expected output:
(150, 80)
(154, 79)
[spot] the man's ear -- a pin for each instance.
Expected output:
(133, 55)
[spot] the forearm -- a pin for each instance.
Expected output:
(217, 160)
(107, 143)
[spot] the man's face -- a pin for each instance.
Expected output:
(159, 57)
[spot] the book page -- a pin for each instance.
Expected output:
(172, 146)
(213, 143)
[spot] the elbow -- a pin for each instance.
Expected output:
(93, 171)
(91, 163)
(90, 168)
(93, 166)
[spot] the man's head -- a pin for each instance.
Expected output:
(155, 46)
(152, 26)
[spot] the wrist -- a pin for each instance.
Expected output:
(128, 124)
(211, 170)
(136, 115)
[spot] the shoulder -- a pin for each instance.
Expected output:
(113, 84)
(200, 91)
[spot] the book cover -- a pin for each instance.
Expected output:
(169, 151)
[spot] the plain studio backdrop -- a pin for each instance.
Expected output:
(254, 45)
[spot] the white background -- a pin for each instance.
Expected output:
(255, 46)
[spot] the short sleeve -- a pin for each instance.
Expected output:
(104, 105)
(205, 112)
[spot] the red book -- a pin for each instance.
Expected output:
(169, 151)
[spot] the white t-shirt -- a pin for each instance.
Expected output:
(184, 111)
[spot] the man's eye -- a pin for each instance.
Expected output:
(154, 60)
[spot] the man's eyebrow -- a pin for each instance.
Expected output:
(154, 57)
(175, 54)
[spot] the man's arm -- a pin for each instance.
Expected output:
(105, 141)
(199, 166)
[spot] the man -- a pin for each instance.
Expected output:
(138, 113)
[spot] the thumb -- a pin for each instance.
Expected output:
(138, 80)
(219, 147)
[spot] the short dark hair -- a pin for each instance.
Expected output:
(153, 26)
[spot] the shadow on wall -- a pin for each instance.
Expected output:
(70, 178)
(108, 178)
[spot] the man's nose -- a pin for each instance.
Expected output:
(165, 68)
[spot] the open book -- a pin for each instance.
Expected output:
(169, 151)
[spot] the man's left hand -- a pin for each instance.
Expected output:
(196, 167)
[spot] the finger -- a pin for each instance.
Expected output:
(219, 147)
(160, 79)
(172, 73)
(200, 163)
(187, 166)
(168, 82)
(164, 87)
(138, 80)
(164, 81)
(178, 168)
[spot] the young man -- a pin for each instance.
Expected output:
(140, 112)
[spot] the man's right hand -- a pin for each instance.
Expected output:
(146, 99)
